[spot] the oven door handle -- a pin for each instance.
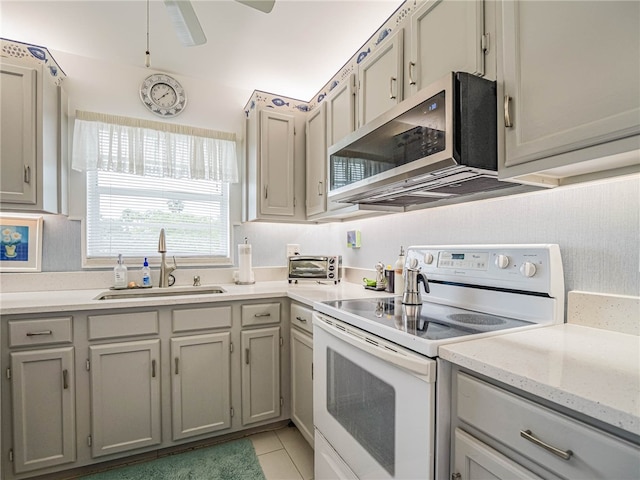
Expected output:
(422, 366)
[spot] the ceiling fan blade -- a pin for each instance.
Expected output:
(263, 5)
(185, 21)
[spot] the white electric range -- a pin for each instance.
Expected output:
(376, 365)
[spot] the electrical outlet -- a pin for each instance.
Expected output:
(293, 249)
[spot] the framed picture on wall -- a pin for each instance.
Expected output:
(20, 243)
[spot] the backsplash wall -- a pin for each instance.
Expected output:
(597, 226)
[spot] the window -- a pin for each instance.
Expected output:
(139, 180)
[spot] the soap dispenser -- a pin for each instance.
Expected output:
(146, 274)
(120, 274)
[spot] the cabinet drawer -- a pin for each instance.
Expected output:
(301, 317)
(40, 332)
(123, 325)
(260, 314)
(503, 416)
(189, 319)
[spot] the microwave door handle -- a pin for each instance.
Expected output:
(419, 365)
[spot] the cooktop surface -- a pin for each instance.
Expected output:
(428, 322)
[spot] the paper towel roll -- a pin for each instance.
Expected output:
(245, 274)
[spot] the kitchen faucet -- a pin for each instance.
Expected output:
(165, 268)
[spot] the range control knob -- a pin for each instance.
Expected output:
(428, 258)
(528, 269)
(502, 261)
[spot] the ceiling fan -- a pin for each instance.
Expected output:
(185, 21)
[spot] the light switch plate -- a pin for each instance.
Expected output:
(293, 249)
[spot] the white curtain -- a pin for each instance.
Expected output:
(155, 149)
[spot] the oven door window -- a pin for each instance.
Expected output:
(364, 405)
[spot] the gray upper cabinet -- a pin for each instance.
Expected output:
(341, 110)
(275, 169)
(380, 78)
(570, 72)
(317, 160)
(446, 36)
(33, 139)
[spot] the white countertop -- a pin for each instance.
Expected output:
(588, 370)
(76, 300)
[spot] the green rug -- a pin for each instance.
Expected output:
(234, 460)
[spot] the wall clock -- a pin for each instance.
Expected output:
(163, 95)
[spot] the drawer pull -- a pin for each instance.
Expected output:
(153, 368)
(564, 454)
(177, 366)
(65, 379)
(258, 315)
(300, 319)
(43, 332)
(246, 356)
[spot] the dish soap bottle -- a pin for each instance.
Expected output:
(120, 274)
(398, 280)
(146, 274)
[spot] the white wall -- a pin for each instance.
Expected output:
(597, 226)
(100, 86)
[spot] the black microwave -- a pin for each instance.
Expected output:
(441, 141)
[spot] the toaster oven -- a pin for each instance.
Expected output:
(315, 267)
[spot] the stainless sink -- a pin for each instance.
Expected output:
(157, 292)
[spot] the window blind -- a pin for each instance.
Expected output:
(125, 215)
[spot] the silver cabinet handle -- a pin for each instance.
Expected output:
(300, 319)
(246, 356)
(65, 379)
(258, 315)
(391, 95)
(507, 115)
(528, 435)
(43, 332)
(153, 368)
(411, 80)
(177, 370)
(27, 174)
(320, 188)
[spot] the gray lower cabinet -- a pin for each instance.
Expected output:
(101, 385)
(200, 384)
(302, 370)
(43, 401)
(125, 396)
(500, 434)
(302, 383)
(261, 399)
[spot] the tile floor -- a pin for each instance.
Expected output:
(284, 454)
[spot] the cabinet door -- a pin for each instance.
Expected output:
(260, 374)
(571, 72)
(341, 110)
(446, 36)
(380, 78)
(43, 401)
(18, 119)
(317, 160)
(125, 396)
(200, 384)
(276, 163)
(473, 460)
(302, 383)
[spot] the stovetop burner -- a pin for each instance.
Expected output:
(428, 321)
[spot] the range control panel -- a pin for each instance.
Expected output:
(532, 268)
